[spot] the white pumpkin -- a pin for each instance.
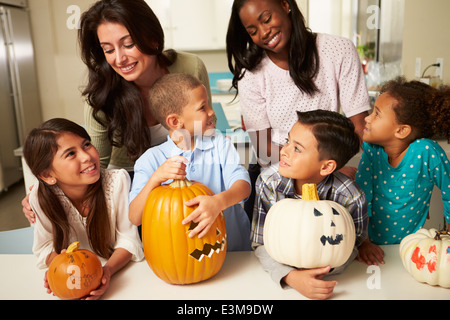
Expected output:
(308, 232)
(426, 256)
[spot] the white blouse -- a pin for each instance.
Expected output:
(116, 185)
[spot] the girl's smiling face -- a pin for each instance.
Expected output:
(381, 124)
(268, 24)
(76, 163)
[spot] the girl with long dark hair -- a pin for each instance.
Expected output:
(76, 200)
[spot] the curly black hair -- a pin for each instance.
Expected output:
(425, 108)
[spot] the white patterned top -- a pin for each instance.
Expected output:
(269, 97)
(116, 185)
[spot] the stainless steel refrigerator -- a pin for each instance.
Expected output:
(20, 109)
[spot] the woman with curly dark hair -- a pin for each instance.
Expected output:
(400, 165)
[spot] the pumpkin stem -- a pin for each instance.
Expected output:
(73, 247)
(439, 233)
(309, 192)
(181, 183)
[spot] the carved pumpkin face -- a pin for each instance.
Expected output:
(309, 233)
(426, 256)
(170, 253)
(74, 273)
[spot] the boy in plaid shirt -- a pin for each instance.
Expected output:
(319, 144)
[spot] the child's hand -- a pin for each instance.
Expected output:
(173, 168)
(46, 285)
(309, 283)
(205, 214)
(49, 260)
(104, 284)
(370, 253)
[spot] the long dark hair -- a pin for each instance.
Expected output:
(106, 91)
(303, 54)
(39, 150)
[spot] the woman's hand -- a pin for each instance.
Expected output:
(26, 208)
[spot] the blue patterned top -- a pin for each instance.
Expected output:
(399, 198)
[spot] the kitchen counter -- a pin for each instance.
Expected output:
(241, 278)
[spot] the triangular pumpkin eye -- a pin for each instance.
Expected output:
(192, 225)
(335, 212)
(317, 213)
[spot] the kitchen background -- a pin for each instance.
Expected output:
(408, 36)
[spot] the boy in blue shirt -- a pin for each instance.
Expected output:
(319, 144)
(196, 152)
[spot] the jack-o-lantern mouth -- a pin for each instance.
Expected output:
(209, 249)
(331, 241)
(324, 239)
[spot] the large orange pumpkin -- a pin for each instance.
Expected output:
(75, 273)
(170, 253)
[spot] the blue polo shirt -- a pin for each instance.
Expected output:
(214, 162)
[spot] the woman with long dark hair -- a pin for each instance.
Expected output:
(279, 67)
(122, 44)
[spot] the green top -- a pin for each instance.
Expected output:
(117, 157)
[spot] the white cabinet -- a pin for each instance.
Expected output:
(193, 24)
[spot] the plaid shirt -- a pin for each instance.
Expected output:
(272, 187)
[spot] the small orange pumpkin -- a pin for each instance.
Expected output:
(170, 253)
(75, 273)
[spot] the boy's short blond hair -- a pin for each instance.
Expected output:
(170, 94)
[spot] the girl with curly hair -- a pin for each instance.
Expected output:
(400, 163)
